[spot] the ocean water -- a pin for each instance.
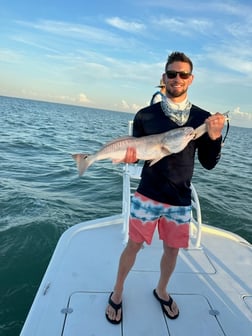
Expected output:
(41, 194)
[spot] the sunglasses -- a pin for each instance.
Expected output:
(173, 74)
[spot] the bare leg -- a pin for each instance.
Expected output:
(167, 266)
(126, 262)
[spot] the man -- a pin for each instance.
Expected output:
(157, 96)
(163, 197)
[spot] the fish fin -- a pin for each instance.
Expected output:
(115, 161)
(164, 152)
(83, 161)
(152, 162)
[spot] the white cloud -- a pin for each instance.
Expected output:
(240, 118)
(184, 26)
(136, 107)
(129, 26)
(125, 105)
(83, 99)
(232, 57)
(237, 112)
(71, 30)
(28, 41)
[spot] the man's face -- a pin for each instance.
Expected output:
(176, 87)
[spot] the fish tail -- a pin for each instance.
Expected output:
(83, 161)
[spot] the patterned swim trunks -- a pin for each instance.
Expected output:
(173, 222)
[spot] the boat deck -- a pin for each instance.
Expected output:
(211, 285)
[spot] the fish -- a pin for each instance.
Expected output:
(150, 147)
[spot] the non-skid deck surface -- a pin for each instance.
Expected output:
(142, 315)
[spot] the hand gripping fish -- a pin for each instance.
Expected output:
(150, 147)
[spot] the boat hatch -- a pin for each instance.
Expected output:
(143, 317)
(84, 306)
(248, 302)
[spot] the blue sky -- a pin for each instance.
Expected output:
(111, 55)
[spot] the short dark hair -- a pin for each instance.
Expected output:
(177, 56)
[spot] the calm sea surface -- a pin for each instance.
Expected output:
(41, 194)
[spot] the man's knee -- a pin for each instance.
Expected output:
(133, 247)
(170, 251)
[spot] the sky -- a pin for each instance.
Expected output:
(111, 55)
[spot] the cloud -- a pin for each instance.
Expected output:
(80, 99)
(136, 107)
(66, 99)
(184, 26)
(234, 9)
(240, 118)
(238, 113)
(231, 8)
(28, 41)
(83, 99)
(49, 35)
(10, 56)
(129, 26)
(233, 57)
(71, 30)
(125, 105)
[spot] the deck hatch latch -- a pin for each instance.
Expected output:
(67, 310)
(214, 312)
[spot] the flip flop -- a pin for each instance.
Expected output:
(164, 303)
(116, 307)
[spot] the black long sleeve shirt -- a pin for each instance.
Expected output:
(168, 180)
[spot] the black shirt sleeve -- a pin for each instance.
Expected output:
(209, 151)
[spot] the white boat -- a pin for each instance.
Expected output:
(212, 282)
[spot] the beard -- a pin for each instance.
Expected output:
(174, 93)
